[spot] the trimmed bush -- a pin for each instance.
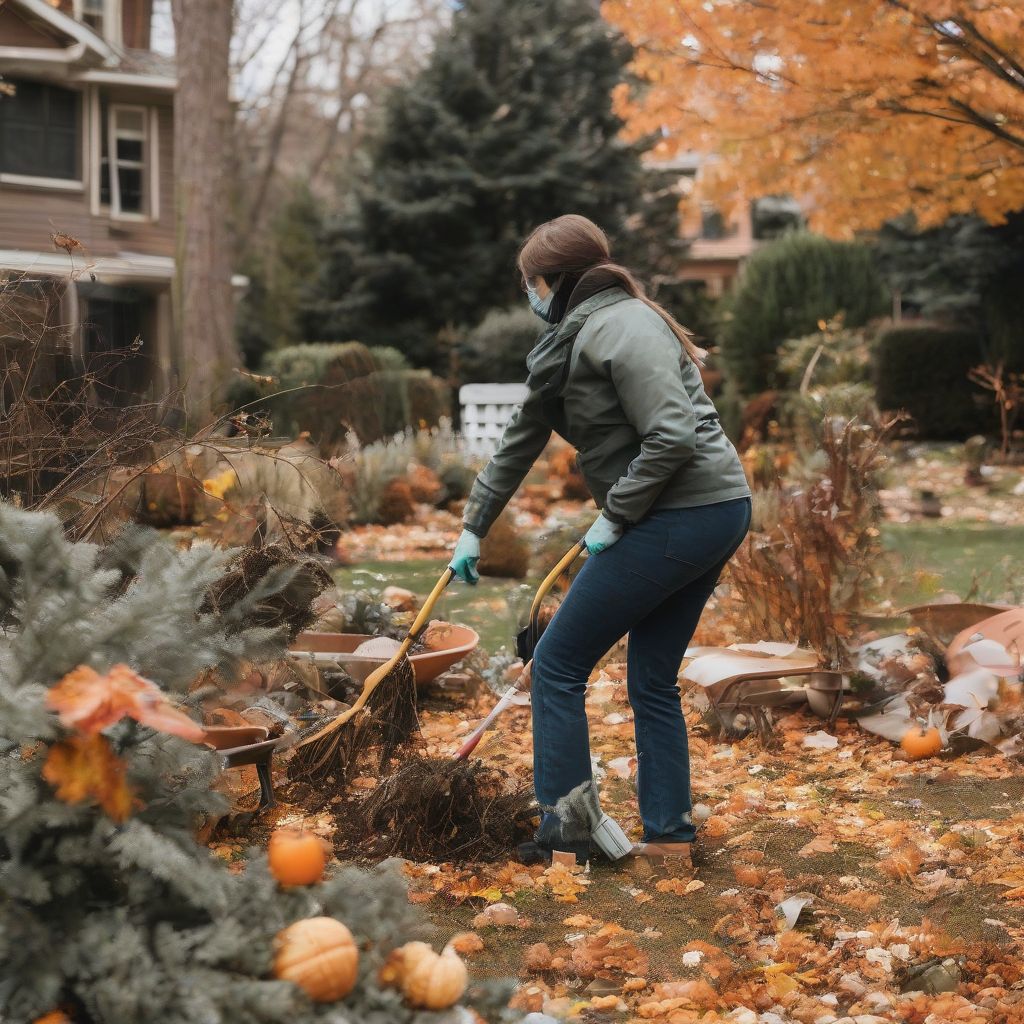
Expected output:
(921, 368)
(786, 288)
(385, 357)
(384, 403)
(494, 352)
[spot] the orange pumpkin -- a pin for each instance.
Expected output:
(296, 857)
(320, 956)
(920, 742)
(54, 1017)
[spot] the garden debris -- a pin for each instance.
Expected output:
(263, 568)
(437, 809)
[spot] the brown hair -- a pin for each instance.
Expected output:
(576, 247)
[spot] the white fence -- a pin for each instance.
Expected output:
(486, 410)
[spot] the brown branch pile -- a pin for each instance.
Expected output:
(436, 809)
(806, 570)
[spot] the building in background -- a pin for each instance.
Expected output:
(86, 178)
(719, 244)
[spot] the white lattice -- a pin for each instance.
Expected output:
(486, 410)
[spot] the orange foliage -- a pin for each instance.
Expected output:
(89, 702)
(86, 768)
(866, 109)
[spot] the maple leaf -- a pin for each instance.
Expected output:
(473, 888)
(89, 703)
(86, 768)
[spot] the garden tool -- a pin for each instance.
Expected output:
(318, 750)
(526, 641)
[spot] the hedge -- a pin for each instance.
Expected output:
(921, 369)
(785, 289)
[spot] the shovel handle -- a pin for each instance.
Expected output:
(549, 581)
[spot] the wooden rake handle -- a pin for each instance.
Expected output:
(374, 679)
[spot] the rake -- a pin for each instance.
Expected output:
(319, 751)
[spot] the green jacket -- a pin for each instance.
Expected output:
(625, 394)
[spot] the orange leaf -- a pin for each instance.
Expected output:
(84, 768)
(89, 703)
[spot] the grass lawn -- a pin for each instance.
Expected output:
(935, 555)
(924, 558)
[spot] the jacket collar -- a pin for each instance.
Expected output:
(548, 361)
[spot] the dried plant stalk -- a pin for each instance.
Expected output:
(808, 568)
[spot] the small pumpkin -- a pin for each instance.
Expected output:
(296, 857)
(920, 742)
(320, 956)
(428, 980)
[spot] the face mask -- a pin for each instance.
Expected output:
(542, 307)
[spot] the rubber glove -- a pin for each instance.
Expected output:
(603, 534)
(466, 556)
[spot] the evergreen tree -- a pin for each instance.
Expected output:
(509, 124)
(281, 271)
(109, 908)
(965, 272)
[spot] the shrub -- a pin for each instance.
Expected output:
(396, 503)
(504, 551)
(386, 402)
(494, 352)
(457, 479)
(320, 371)
(787, 287)
(376, 465)
(385, 357)
(297, 365)
(921, 368)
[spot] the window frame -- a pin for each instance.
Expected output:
(111, 30)
(43, 181)
(147, 165)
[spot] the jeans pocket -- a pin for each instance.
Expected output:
(708, 536)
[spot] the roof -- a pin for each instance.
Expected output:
(67, 26)
(88, 57)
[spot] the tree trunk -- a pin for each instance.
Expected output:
(203, 299)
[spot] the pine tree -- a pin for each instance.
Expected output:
(281, 271)
(510, 124)
(110, 910)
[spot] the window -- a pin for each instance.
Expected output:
(93, 14)
(40, 128)
(123, 159)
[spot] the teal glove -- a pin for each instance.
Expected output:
(466, 556)
(603, 534)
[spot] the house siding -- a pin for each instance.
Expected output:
(28, 216)
(16, 31)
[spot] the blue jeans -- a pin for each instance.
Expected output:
(652, 584)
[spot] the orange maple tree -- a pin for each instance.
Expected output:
(866, 110)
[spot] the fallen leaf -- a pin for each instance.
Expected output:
(85, 767)
(89, 703)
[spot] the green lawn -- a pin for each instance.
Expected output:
(492, 607)
(936, 555)
(924, 557)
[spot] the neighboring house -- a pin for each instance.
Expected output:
(86, 136)
(719, 246)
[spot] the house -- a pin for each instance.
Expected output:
(86, 176)
(719, 245)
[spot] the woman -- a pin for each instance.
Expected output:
(617, 377)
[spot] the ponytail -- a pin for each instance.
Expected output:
(612, 273)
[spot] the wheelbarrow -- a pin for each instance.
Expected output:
(240, 745)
